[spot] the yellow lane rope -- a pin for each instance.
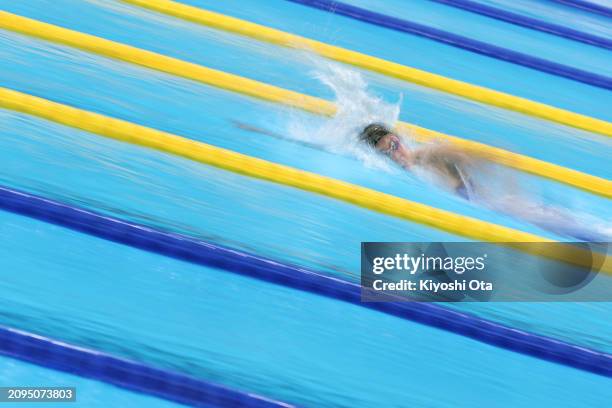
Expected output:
(257, 168)
(275, 94)
(466, 90)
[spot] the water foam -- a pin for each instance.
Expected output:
(356, 108)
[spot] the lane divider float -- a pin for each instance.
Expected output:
(588, 6)
(528, 22)
(123, 373)
(381, 66)
(271, 93)
(238, 163)
(262, 169)
(459, 41)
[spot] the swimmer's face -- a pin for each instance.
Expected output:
(392, 146)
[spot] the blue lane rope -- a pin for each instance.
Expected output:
(211, 255)
(528, 22)
(126, 374)
(587, 5)
(459, 41)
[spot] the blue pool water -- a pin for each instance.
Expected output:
(247, 334)
(234, 54)
(251, 335)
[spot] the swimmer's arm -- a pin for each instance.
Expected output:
(255, 129)
(447, 161)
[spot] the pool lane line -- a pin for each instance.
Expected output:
(271, 93)
(127, 374)
(258, 168)
(374, 64)
(189, 249)
(528, 22)
(461, 225)
(459, 41)
(587, 6)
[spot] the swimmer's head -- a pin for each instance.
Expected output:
(385, 141)
(372, 133)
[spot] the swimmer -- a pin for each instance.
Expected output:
(447, 163)
(451, 165)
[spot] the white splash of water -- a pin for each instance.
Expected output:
(356, 108)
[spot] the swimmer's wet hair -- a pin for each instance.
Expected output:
(372, 133)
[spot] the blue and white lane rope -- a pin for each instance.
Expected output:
(528, 22)
(127, 374)
(587, 6)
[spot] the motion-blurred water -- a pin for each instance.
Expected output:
(248, 334)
